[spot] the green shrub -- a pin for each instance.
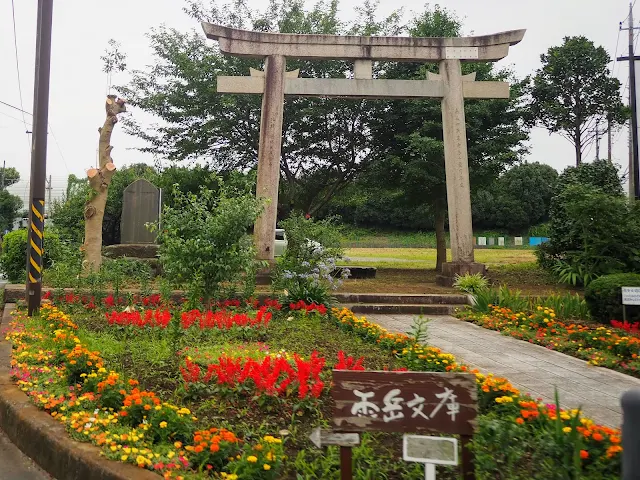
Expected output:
(470, 283)
(204, 243)
(13, 260)
(604, 297)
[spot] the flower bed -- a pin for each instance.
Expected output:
(56, 364)
(615, 348)
(131, 425)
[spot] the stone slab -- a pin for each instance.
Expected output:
(141, 203)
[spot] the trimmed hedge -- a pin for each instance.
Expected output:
(604, 297)
(13, 260)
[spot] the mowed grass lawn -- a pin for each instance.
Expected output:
(426, 257)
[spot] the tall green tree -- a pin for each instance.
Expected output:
(410, 139)
(326, 142)
(10, 205)
(574, 90)
(9, 176)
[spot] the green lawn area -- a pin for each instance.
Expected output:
(412, 258)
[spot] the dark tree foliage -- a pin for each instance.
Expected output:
(518, 200)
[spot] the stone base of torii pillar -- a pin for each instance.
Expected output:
(451, 270)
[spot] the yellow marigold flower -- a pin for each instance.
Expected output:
(163, 424)
(266, 466)
(252, 459)
(566, 429)
(124, 458)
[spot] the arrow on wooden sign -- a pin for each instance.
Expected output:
(322, 438)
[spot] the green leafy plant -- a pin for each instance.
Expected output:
(470, 283)
(573, 274)
(566, 306)
(306, 270)
(420, 329)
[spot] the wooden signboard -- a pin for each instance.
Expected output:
(409, 402)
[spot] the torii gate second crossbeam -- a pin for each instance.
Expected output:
(449, 85)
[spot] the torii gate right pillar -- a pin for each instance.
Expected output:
(457, 176)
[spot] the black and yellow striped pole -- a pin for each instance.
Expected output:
(35, 245)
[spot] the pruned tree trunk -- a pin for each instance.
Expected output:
(440, 214)
(99, 179)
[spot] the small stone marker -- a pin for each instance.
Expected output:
(431, 451)
(492, 241)
(482, 241)
(517, 241)
(140, 205)
(501, 241)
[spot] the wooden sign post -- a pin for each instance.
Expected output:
(409, 402)
(322, 438)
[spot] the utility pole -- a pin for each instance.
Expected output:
(39, 155)
(609, 139)
(49, 188)
(598, 139)
(635, 171)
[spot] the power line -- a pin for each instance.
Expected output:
(615, 56)
(50, 130)
(14, 107)
(11, 116)
(15, 47)
(59, 149)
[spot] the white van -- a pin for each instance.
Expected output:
(281, 242)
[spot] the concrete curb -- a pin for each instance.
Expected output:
(45, 440)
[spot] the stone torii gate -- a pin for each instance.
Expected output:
(449, 85)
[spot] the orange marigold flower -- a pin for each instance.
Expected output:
(597, 437)
(520, 420)
(584, 454)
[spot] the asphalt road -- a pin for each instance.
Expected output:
(14, 465)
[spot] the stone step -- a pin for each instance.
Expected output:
(402, 299)
(411, 309)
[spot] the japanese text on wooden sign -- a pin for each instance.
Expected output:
(404, 402)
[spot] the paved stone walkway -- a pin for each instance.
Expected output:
(14, 465)
(531, 368)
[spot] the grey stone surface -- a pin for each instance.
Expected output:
(140, 205)
(531, 368)
(15, 465)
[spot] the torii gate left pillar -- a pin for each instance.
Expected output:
(450, 86)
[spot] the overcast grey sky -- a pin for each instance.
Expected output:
(82, 28)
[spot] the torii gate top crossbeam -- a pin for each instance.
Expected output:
(332, 47)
